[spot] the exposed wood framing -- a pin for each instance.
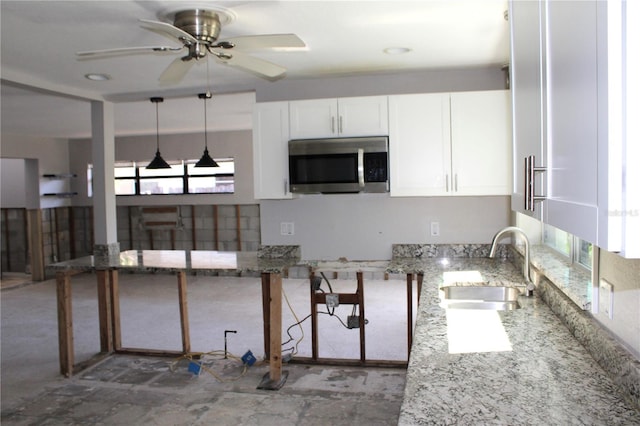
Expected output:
(216, 236)
(238, 228)
(7, 240)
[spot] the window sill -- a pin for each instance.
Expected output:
(573, 281)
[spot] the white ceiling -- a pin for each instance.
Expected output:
(344, 38)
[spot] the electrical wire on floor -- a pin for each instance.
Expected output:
(199, 359)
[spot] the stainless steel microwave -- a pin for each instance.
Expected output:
(339, 165)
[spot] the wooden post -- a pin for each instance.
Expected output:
(275, 327)
(115, 309)
(409, 313)
(57, 232)
(361, 318)
(65, 323)
(266, 313)
(72, 233)
(130, 227)
(35, 244)
(105, 311)
(184, 312)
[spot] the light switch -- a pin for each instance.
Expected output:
(435, 229)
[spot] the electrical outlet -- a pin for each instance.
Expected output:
(435, 229)
(286, 228)
(332, 300)
(606, 298)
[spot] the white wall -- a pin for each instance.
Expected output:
(12, 183)
(52, 156)
(364, 226)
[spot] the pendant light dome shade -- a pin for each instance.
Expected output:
(206, 160)
(158, 162)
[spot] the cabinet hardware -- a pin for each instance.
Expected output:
(340, 124)
(333, 124)
(530, 170)
(455, 182)
(446, 179)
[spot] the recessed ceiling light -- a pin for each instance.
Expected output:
(97, 77)
(396, 50)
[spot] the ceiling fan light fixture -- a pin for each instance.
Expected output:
(206, 160)
(158, 162)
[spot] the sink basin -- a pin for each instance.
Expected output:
(480, 297)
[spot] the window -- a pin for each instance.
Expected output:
(132, 178)
(578, 251)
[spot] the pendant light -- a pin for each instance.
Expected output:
(206, 160)
(158, 162)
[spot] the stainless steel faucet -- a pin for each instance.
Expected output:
(527, 267)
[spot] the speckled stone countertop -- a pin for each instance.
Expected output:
(538, 373)
(267, 259)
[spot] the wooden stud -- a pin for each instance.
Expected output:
(275, 327)
(266, 313)
(184, 312)
(216, 236)
(65, 323)
(361, 318)
(409, 313)
(25, 220)
(238, 229)
(105, 311)
(193, 228)
(130, 223)
(150, 232)
(57, 233)
(5, 213)
(91, 227)
(173, 239)
(36, 246)
(114, 287)
(314, 317)
(72, 233)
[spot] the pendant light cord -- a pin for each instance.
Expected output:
(157, 129)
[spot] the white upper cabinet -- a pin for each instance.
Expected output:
(342, 117)
(450, 144)
(577, 104)
(526, 70)
(481, 143)
(419, 148)
(270, 150)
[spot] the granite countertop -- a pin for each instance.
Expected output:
(270, 259)
(537, 373)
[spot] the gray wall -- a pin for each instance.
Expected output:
(12, 183)
(364, 226)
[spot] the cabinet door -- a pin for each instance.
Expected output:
(313, 118)
(363, 116)
(526, 78)
(481, 143)
(572, 111)
(419, 144)
(270, 151)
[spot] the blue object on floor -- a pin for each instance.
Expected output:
(248, 358)
(195, 367)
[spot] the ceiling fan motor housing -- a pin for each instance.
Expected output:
(204, 25)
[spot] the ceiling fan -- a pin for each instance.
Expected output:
(198, 30)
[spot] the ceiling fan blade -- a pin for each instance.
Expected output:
(260, 67)
(127, 50)
(176, 71)
(166, 28)
(267, 41)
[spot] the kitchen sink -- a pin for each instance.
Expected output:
(498, 298)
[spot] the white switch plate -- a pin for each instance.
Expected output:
(606, 298)
(286, 228)
(435, 229)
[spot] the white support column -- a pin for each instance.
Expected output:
(104, 197)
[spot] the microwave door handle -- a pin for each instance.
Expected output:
(361, 167)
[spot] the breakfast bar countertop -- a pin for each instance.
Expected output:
(516, 367)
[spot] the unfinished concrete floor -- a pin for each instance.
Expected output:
(162, 391)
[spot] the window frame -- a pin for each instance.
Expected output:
(574, 247)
